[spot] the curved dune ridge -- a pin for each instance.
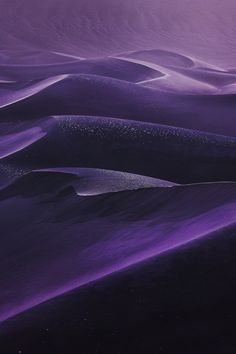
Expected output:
(97, 95)
(175, 154)
(81, 239)
(85, 181)
(117, 138)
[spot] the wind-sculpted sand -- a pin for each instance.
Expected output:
(117, 154)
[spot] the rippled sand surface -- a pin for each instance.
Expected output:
(117, 176)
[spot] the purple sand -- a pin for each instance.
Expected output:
(117, 138)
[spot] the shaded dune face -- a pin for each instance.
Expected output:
(117, 141)
(178, 155)
(73, 240)
(98, 95)
(155, 293)
(109, 67)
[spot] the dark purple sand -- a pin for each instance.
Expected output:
(73, 240)
(182, 301)
(169, 153)
(117, 150)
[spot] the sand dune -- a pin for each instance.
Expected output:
(117, 151)
(73, 240)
